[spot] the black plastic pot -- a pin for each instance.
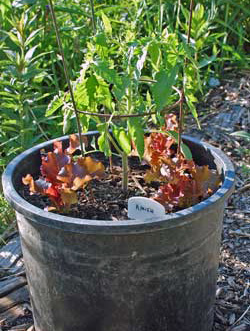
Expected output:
(87, 275)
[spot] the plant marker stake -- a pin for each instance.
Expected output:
(67, 75)
(182, 92)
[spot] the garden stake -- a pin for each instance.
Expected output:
(67, 75)
(93, 15)
(180, 124)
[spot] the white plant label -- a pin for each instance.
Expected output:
(141, 208)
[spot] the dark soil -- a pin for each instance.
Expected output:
(104, 199)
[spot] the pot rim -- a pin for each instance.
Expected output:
(72, 224)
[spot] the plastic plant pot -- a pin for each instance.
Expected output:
(127, 275)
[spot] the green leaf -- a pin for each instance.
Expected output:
(106, 23)
(33, 73)
(73, 10)
(85, 120)
(9, 95)
(205, 62)
(32, 36)
(103, 95)
(184, 148)
(106, 73)
(103, 141)
(13, 37)
(19, 3)
(120, 87)
(137, 134)
(241, 134)
(91, 86)
(122, 138)
(67, 113)
(100, 40)
(163, 87)
(140, 63)
(199, 12)
(193, 110)
(35, 58)
(30, 53)
(55, 104)
(110, 75)
(155, 54)
(81, 94)
(186, 151)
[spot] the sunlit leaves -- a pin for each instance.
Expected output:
(122, 138)
(91, 86)
(154, 50)
(103, 140)
(23, 77)
(163, 87)
(106, 23)
(55, 104)
(137, 134)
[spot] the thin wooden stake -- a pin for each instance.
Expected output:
(181, 115)
(93, 15)
(67, 75)
(180, 124)
(190, 20)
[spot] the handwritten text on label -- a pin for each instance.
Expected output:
(141, 208)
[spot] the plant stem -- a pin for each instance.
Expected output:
(110, 157)
(38, 124)
(111, 164)
(119, 151)
(125, 168)
(67, 75)
(124, 172)
(93, 15)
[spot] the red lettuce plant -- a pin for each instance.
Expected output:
(62, 176)
(183, 183)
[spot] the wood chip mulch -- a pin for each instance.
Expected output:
(225, 110)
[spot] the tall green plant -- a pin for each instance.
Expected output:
(21, 91)
(122, 80)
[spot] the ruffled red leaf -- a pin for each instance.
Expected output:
(185, 183)
(171, 123)
(74, 143)
(62, 176)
